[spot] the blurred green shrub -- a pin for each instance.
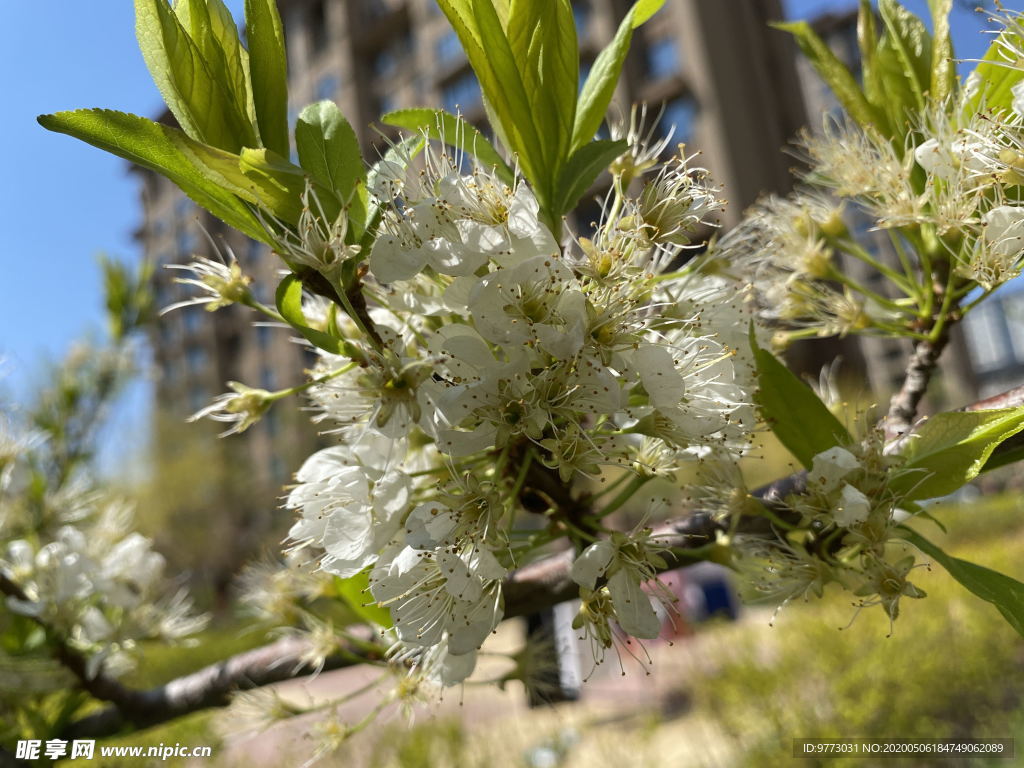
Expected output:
(952, 671)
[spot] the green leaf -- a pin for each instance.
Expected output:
(289, 304)
(1005, 593)
(444, 126)
(483, 38)
(226, 170)
(203, 103)
(950, 449)
(867, 42)
(913, 45)
(604, 74)
(542, 36)
(355, 591)
(888, 90)
(944, 81)
(507, 93)
(329, 150)
(212, 28)
(278, 180)
(583, 168)
(162, 149)
(803, 424)
(997, 74)
(835, 74)
(269, 64)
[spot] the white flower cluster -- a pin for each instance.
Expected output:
(951, 197)
(850, 505)
(102, 588)
(501, 369)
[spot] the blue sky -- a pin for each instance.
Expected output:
(62, 202)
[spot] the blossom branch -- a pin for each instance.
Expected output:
(213, 685)
(533, 587)
(920, 367)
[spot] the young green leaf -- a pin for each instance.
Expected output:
(1005, 593)
(289, 304)
(269, 73)
(950, 449)
(995, 77)
(888, 90)
(329, 150)
(867, 41)
(453, 130)
(944, 80)
(542, 36)
(833, 71)
(482, 35)
(212, 28)
(508, 87)
(355, 591)
(276, 176)
(913, 46)
(202, 102)
(583, 168)
(604, 74)
(803, 424)
(160, 148)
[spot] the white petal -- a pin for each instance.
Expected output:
(428, 525)
(460, 581)
(664, 384)
(592, 563)
(633, 608)
(854, 507)
(456, 667)
(392, 259)
(829, 468)
(347, 535)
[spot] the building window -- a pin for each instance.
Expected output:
(193, 319)
(1013, 310)
(386, 103)
(261, 292)
(186, 242)
(448, 49)
(253, 253)
(585, 66)
(462, 93)
(385, 64)
(183, 208)
(277, 470)
(195, 358)
(319, 34)
(986, 335)
(581, 15)
(196, 399)
(326, 88)
(263, 336)
(268, 380)
(679, 116)
(662, 58)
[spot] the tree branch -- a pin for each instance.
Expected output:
(212, 686)
(903, 405)
(533, 587)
